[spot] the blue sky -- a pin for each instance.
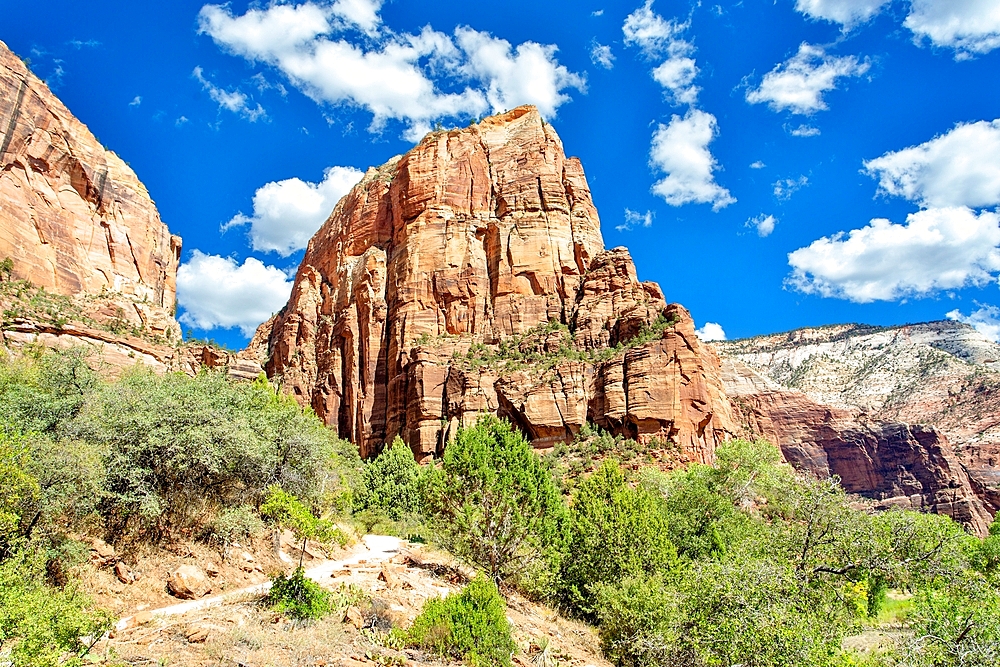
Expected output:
(771, 163)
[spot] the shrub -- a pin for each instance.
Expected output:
(617, 532)
(287, 511)
(235, 523)
(299, 597)
(18, 491)
(41, 625)
(470, 625)
(637, 620)
(177, 447)
(389, 483)
(496, 506)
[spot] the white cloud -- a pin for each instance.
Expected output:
(758, 164)
(798, 84)
(764, 224)
(650, 31)
(937, 249)
(848, 13)
(635, 219)
(601, 55)
(287, 213)
(234, 101)
(529, 74)
(656, 36)
(804, 131)
(959, 168)
(216, 292)
(968, 26)
(680, 149)
(786, 187)
(711, 331)
(136, 101)
(597, 12)
(392, 75)
(986, 320)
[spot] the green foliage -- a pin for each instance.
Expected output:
(6, 268)
(287, 511)
(235, 523)
(617, 532)
(496, 506)
(44, 391)
(18, 491)
(41, 625)
(389, 483)
(299, 597)
(470, 625)
(177, 446)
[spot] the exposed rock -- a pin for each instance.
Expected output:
(102, 554)
(74, 218)
(125, 575)
(894, 463)
(189, 582)
(476, 239)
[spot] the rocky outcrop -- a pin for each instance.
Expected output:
(895, 463)
(74, 218)
(469, 276)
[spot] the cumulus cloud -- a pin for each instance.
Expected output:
(936, 249)
(798, 84)
(216, 292)
(287, 213)
(680, 150)
(635, 219)
(234, 100)
(848, 13)
(804, 131)
(528, 74)
(757, 164)
(958, 168)
(658, 37)
(764, 224)
(786, 187)
(711, 331)
(601, 55)
(392, 75)
(986, 320)
(969, 27)
(136, 101)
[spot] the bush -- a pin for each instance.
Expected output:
(496, 506)
(299, 597)
(617, 532)
(235, 523)
(18, 491)
(177, 447)
(287, 511)
(41, 625)
(470, 625)
(389, 483)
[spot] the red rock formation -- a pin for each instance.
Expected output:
(896, 464)
(476, 238)
(74, 218)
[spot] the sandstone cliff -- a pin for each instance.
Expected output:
(470, 276)
(75, 218)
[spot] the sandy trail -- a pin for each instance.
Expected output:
(372, 549)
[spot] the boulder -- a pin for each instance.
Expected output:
(189, 582)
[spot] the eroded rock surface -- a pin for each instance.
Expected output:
(469, 276)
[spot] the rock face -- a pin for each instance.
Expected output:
(469, 276)
(893, 462)
(74, 218)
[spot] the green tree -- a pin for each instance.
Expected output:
(18, 491)
(389, 483)
(617, 532)
(496, 506)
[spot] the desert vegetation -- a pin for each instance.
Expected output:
(744, 562)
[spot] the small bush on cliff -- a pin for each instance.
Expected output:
(470, 625)
(496, 505)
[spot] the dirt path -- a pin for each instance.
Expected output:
(372, 549)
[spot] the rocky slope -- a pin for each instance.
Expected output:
(91, 261)
(470, 276)
(840, 386)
